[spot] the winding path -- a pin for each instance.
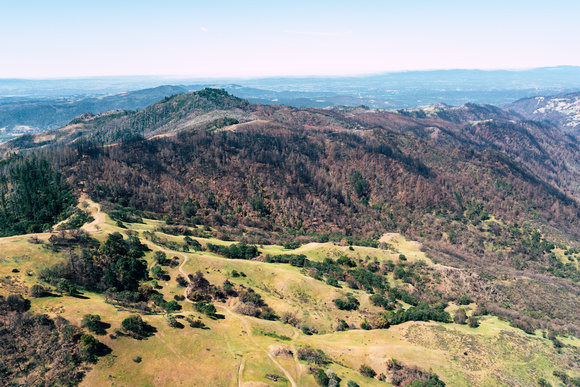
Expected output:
(248, 332)
(96, 213)
(94, 226)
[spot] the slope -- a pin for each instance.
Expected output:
(562, 110)
(236, 349)
(484, 197)
(50, 114)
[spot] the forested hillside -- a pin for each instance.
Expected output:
(321, 196)
(33, 196)
(494, 196)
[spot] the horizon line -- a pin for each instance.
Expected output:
(351, 75)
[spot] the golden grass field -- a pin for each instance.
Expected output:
(236, 350)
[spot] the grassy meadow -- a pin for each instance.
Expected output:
(238, 350)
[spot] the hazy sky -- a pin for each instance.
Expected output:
(245, 38)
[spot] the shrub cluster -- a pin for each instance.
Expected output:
(235, 251)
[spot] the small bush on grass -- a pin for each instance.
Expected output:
(195, 323)
(311, 355)
(37, 291)
(94, 324)
(347, 303)
(207, 309)
(172, 322)
(367, 371)
(136, 327)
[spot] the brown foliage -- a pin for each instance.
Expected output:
(435, 179)
(37, 350)
(403, 375)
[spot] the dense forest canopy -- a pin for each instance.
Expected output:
(33, 196)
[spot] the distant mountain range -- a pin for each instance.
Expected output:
(39, 115)
(29, 106)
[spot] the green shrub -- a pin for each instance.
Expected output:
(135, 325)
(321, 378)
(367, 371)
(94, 324)
(311, 355)
(235, 251)
(291, 245)
(347, 303)
(207, 309)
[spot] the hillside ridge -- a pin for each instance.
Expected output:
(255, 350)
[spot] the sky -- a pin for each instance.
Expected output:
(248, 39)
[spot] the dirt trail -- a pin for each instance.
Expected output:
(241, 372)
(234, 127)
(248, 332)
(99, 219)
(93, 208)
(181, 267)
(295, 355)
(95, 211)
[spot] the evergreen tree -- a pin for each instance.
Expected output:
(33, 196)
